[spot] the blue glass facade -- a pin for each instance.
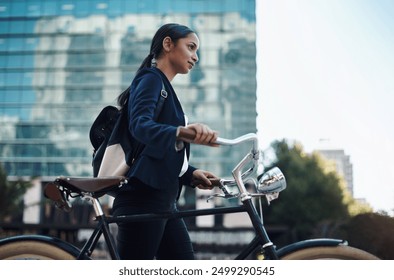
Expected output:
(61, 61)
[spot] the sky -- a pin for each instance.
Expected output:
(325, 78)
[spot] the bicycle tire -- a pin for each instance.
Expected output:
(33, 250)
(340, 252)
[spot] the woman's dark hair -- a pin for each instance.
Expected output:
(175, 32)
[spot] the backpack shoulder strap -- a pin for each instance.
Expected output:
(160, 102)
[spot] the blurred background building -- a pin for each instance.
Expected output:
(62, 61)
(343, 165)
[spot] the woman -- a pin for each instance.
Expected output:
(161, 169)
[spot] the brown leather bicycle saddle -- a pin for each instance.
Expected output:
(89, 184)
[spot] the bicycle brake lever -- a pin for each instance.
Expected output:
(215, 195)
(221, 195)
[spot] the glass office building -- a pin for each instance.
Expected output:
(62, 61)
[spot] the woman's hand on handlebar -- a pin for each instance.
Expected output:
(203, 179)
(198, 133)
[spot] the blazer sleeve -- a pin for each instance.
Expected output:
(186, 178)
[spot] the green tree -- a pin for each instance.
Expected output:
(11, 196)
(315, 192)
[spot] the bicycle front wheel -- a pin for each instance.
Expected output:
(33, 250)
(329, 253)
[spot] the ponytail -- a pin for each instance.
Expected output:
(123, 98)
(147, 62)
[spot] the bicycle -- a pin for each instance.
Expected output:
(270, 184)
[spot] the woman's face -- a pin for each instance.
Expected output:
(183, 54)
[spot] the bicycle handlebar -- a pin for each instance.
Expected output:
(188, 135)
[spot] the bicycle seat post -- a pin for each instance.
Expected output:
(98, 209)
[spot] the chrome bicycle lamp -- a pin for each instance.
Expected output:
(272, 181)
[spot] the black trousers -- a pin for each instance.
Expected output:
(165, 239)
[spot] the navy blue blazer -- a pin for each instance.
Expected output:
(160, 163)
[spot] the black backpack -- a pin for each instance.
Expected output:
(114, 148)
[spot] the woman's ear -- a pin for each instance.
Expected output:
(167, 44)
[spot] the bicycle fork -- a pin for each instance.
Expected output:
(267, 246)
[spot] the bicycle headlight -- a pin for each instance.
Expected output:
(272, 181)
